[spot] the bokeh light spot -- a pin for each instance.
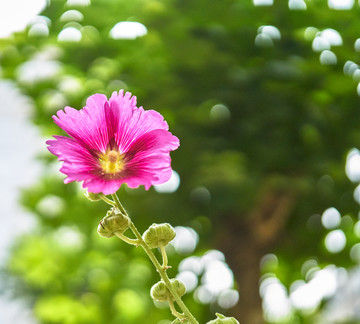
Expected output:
(269, 262)
(193, 264)
(189, 279)
(51, 206)
(308, 266)
(276, 304)
(331, 218)
(355, 253)
(169, 186)
(37, 70)
(203, 295)
(220, 112)
(357, 45)
(297, 5)
(217, 277)
(70, 34)
(12, 19)
(357, 229)
(356, 75)
(263, 2)
(328, 58)
(350, 67)
(341, 4)
(320, 44)
(186, 240)
(310, 33)
(332, 36)
(69, 238)
(335, 241)
(72, 15)
(272, 31)
(263, 40)
(357, 194)
(352, 167)
(128, 30)
(200, 195)
(38, 29)
(228, 298)
(78, 3)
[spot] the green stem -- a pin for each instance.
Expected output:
(108, 201)
(119, 205)
(173, 309)
(127, 239)
(157, 265)
(164, 257)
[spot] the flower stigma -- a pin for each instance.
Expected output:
(112, 162)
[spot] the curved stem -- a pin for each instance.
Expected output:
(157, 265)
(173, 309)
(108, 201)
(127, 239)
(164, 257)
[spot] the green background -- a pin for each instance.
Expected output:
(269, 163)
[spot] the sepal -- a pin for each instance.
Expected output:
(93, 196)
(160, 292)
(159, 235)
(114, 221)
(221, 319)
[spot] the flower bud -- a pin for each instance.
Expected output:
(158, 235)
(113, 222)
(179, 287)
(221, 319)
(160, 292)
(93, 196)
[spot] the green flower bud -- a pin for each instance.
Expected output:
(160, 292)
(179, 287)
(221, 319)
(113, 222)
(159, 235)
(93, 196)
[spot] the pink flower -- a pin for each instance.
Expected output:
(113, 142)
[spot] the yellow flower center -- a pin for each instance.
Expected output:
(112, 162)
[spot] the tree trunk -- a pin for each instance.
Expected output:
(243, 257)
(244, 241)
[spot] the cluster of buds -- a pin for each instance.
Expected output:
(156, 236)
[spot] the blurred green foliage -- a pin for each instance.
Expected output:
(279, 136)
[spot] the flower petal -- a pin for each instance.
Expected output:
(148, 159)
(130, 122)
(107, 187)
(88, 125)
(78, 164)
